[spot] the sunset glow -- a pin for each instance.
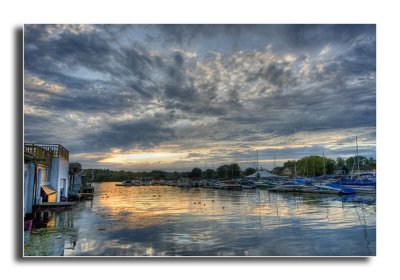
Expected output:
(143, 157)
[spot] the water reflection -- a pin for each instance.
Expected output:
(161, 220)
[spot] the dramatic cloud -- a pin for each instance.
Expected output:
(213, 93)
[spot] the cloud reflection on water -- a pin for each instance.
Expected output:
(170, 221)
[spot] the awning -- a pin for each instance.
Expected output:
(48, 190)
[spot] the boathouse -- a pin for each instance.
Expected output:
(45, 165)
(59, 169)
(37, 168)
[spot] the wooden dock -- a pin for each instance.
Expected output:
(85, 195)
(46, 205)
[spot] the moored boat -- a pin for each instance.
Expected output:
(306, 186)
(359, 185)
(287, 186)
(247, 184)
(327, 188)
(228, 184)
(128, 183)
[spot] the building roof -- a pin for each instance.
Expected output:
(261, 174)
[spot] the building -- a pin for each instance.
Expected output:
(339, 172)
(46, 171)
(37, 168)
(59, 169)
(287, 172)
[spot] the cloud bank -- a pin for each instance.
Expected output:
(214, 92)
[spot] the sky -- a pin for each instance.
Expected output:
(174, 97)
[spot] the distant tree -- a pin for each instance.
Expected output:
(278, 170)
(372, 163)
(222, 171)
(312, 166)
(196, 173)
(210, 174)
(234, 170)
(341, 164)
(330, 165)
(289, 164)
(158, 174)
(248, 171)
(174, 175)
(364, 163)
(228, 171)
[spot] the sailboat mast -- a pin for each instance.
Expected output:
(323, 158)
(257, 159)
(313, 163)
(358, 160)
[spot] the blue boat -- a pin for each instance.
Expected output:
(327, 188)
(360, 185)
(307, 186)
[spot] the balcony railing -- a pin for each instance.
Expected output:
(56, 150)
(39, 154)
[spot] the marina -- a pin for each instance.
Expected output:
(199, 140)
(211, 213)
(175, 221)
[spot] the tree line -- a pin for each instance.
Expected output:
(306, 166)
(317, 165)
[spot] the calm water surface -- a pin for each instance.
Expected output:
(171, 221)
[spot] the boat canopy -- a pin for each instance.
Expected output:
(261, 174)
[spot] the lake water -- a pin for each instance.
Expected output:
(172, 221)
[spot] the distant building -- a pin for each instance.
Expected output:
(339, 172)
(287, 172)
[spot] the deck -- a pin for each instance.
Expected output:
(45, 205)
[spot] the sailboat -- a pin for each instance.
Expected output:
(228, 183)
(358, 182)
